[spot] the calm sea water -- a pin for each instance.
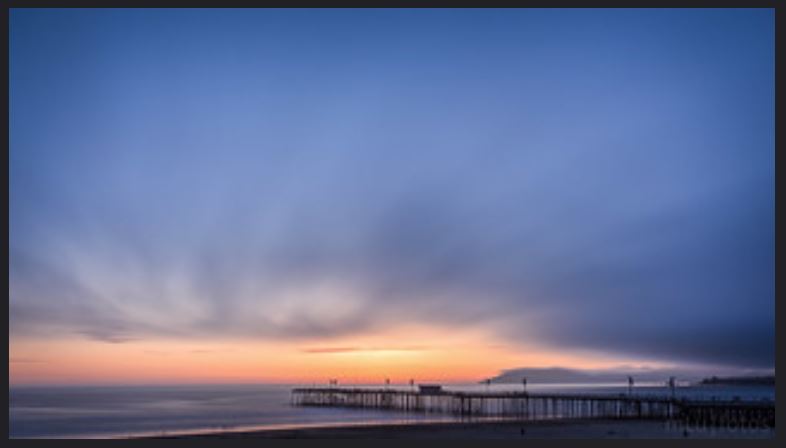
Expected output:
(118, 411)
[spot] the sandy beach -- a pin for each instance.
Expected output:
(602, 429)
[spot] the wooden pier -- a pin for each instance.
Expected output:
(526, 406)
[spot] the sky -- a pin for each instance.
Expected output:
(296, 195)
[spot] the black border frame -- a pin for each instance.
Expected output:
(779, 114)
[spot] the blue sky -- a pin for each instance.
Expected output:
(592, 179)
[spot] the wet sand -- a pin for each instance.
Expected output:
(584, 429)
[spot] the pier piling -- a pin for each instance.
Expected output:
(527, 406)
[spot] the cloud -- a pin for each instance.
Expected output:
(626, 211)
(25, 361)
(328, 350)
(107, 336)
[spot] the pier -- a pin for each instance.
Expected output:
(527, 406)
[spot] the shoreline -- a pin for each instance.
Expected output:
(543, 429)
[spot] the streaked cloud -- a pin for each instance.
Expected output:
(321, 350)
(575, 180)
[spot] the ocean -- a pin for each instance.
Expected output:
(122, 411)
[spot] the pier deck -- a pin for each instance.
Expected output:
(527, 406)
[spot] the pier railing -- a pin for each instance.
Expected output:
(526, 406)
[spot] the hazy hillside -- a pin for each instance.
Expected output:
(615, 375)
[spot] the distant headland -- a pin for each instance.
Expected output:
(621, 374)
(767, 380)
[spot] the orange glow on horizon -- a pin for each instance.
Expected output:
(423, 354)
